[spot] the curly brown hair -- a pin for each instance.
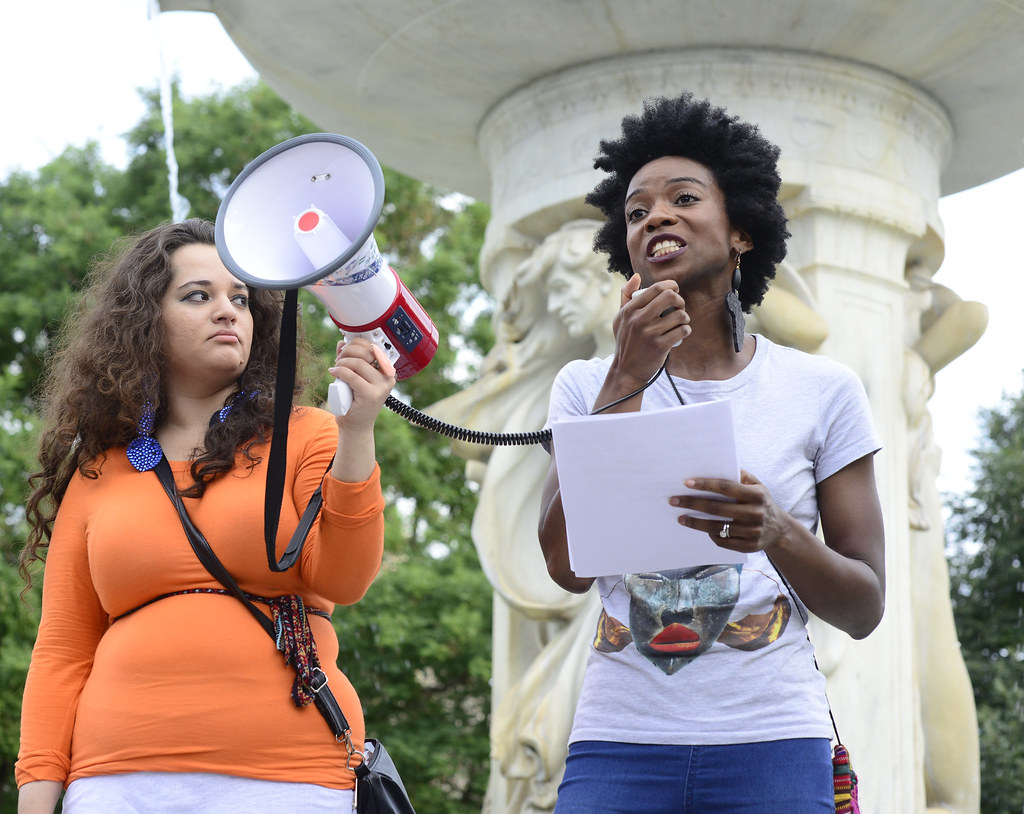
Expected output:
(107, 364)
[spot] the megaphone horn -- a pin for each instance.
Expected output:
(303, 214)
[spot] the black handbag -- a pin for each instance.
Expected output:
(379, 788)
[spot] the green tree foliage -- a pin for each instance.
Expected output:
(417, 647)
(18, 621)
(51, 223)
(987, 581)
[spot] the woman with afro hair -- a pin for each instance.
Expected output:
(701, 692)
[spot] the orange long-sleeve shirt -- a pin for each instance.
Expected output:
(192, 683)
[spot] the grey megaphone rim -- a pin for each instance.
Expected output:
(378, 205)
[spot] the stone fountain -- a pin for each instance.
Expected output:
(880, 107)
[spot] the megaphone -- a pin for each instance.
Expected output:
(302, 214)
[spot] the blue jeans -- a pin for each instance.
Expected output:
(777, 777)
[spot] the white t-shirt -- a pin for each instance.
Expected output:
(718, 655)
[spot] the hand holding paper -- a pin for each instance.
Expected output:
(616, 473)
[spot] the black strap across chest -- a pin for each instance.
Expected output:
(323, 698)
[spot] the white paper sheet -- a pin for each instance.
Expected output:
(616, 474)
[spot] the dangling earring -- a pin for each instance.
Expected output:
(222, 414)
(144, 451)
(737, 319)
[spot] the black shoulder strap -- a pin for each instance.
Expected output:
(278, 455)
(202, 548)
(814, 658)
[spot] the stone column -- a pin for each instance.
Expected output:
(862, 153)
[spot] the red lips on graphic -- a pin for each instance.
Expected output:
(676, 638)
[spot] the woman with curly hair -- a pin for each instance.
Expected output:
(150, 688)
(701, 693)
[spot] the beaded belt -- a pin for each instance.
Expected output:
(251, 597)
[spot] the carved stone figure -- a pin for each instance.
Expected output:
(788, 314)
(940, 327)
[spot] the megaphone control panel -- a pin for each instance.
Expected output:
(404, 330)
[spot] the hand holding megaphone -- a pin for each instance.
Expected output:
(361, 362)
(302, 214)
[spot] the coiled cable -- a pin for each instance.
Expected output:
(492, 439)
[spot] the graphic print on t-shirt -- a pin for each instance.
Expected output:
(675, 616)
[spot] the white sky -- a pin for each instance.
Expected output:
(69, 70)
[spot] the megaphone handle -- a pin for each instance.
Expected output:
(339, 397)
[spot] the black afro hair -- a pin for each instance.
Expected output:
(742, 161)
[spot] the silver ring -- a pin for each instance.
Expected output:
(724, 532)
(376, 364)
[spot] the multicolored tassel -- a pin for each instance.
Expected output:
(295, 641)
(844, 782)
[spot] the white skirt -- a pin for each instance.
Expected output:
(193, 792)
